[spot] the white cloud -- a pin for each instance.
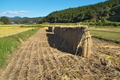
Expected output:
(24, 11)
(7, 13)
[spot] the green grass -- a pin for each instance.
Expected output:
(100, 37)
(108, 35)
(107, 28)
(10, 43)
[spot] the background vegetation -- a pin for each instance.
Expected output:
(104, 13)
(101, 14)
(4, 20)
(25, 20)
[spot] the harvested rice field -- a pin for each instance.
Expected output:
(42, 58)
(7, 31)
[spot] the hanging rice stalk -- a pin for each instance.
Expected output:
(76, 37)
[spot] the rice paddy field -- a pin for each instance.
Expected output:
(40, 58)
(12, 26)
(106, 28)
(109, 33)
(106, 34)
(11, 36)
(7, 30)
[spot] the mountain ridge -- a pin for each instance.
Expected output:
(25, 20)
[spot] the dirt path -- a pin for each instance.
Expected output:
(42, 58)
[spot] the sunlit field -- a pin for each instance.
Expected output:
(6, 30)
(9, 43)
(9, 26)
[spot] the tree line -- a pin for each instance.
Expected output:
(25, 20)
(19, 20)
(108, 10)
(103, 13)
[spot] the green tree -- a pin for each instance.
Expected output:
(1, 22)
(5, 20)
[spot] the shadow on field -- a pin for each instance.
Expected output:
(48, 30)
(56, 42)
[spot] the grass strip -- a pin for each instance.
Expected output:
(100, 37)
(10, 43)
(108, 35)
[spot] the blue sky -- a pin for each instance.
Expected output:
(39, 8)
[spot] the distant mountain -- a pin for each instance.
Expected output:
(14, 18)
(25, 20)
(108, 10)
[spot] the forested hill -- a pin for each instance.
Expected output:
(108, 10)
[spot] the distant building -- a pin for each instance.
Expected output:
(14, 23)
